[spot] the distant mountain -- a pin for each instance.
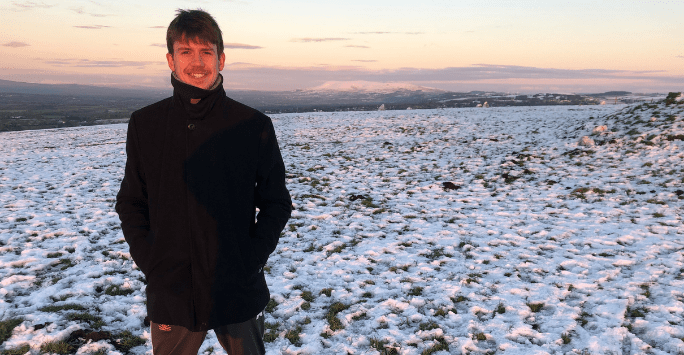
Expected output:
(17, 87)
(370, 86)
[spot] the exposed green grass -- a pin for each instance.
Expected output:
(402, 267)
(271, 306)
(66, 263)
(437, 254)
(83, 317)
(440, 345)
(331, 316)
(127, 341)
(272, 325)
(293, 335)
(116, 290)
(64, 307)
(56, 347)
(535, 307)
(459, 298)
(368, 202)
(270, 336)
(635, 313)
(415, 291)
(363, 315)
(428, 326)
(337, 249)
(17, 351)
(583, 318)
(380, 345)
(6, 328)
(479, 336)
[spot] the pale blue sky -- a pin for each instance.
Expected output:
(575, 46)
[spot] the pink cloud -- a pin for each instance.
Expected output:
(14, 44)
(93, 27)
(240, 46)
(328, 39)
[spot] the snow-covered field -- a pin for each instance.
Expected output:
(541, 246)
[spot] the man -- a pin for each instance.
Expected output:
(198, 165)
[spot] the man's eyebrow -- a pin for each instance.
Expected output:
(202, 48)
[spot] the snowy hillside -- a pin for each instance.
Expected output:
(452, 231)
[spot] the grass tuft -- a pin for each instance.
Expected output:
(272, 334)
(6, 328)
(83, 317)
(428, 326)
(479, 336)
(307, 296)
(271, 306)
(56, 347)
(415, 291)
(293, 335)
(331, 316)
(126, 341)
(440, 345)
(535, 307)
(381, 346)
(64, 307)
(116, 290)
(17, 351)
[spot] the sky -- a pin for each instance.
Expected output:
(520, 46)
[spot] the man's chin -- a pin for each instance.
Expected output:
(199, 83)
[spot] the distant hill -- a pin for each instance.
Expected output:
(17, 87)
(33, 106)
(611, 94)
(370, 86)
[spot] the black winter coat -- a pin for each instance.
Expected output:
(194, 176)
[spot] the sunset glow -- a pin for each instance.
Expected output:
(578, 46)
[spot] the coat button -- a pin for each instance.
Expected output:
(191, 126)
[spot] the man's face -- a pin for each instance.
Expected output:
(196, 63)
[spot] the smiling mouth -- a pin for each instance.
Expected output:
(198, 75)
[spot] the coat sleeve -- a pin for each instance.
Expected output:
(132, 203)
(271, 196)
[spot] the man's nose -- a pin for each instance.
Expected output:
(197, 58)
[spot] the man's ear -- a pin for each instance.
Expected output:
(222, 60)
(169, 59)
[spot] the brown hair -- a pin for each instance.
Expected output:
(194, 24)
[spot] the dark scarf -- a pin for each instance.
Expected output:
(207, 98)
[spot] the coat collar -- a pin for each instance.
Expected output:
(187, 94)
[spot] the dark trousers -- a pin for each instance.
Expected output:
(237, 339)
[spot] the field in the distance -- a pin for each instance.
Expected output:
(543, 247)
